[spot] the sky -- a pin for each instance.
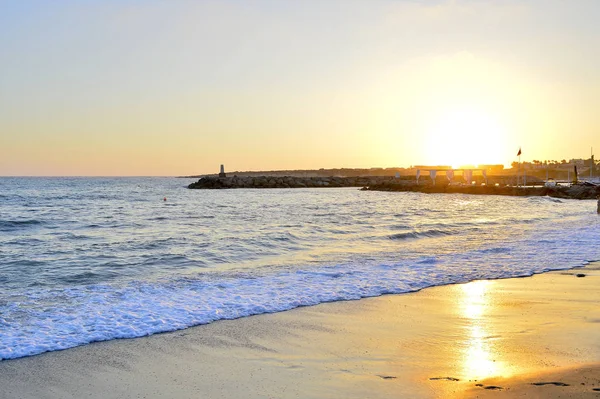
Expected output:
(163, 88)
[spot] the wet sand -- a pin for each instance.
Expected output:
(575, 382)
(481, 339)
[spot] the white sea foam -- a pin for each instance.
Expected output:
(104, 262)
(85, 314)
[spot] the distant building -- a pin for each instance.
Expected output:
(222, 172)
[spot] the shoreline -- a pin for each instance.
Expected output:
(506, 333)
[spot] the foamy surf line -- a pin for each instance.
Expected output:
(47, 320)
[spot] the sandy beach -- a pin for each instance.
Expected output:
(535, 337)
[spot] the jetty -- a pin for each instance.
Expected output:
(390, 183)
(212, 182)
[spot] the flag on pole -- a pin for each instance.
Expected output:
(519, 153)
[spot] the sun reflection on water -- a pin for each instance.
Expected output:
(479, 355)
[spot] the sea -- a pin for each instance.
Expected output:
(95, 259)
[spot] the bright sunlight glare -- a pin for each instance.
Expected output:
(465, 136)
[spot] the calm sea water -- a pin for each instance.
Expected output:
(91, 259)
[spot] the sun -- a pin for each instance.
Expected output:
(464, 136)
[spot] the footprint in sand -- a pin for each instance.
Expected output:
(558, 384)
(490, 387)
(444, 378)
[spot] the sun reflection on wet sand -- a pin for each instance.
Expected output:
(480, 355)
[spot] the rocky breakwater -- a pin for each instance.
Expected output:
(211, 182)
(575, 191)
(388, 183)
